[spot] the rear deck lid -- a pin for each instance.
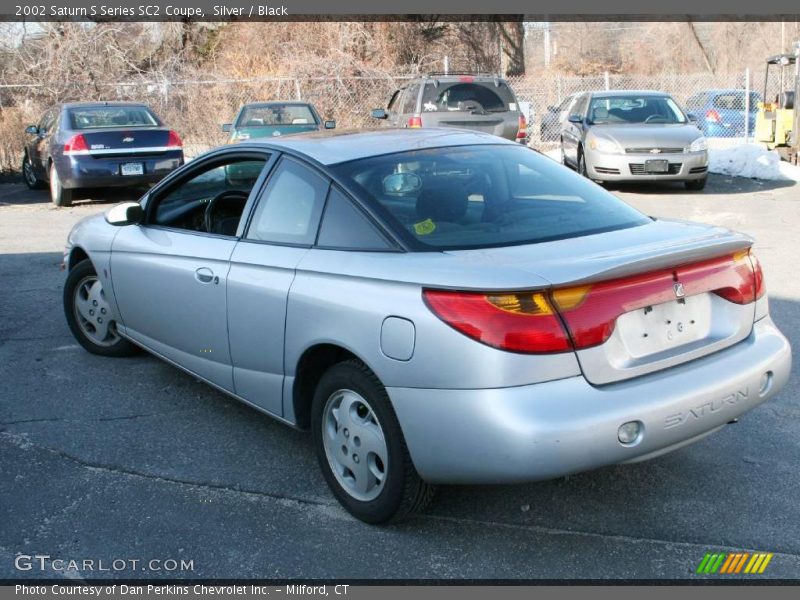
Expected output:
(642, 299)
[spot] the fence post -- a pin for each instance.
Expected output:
(297, 91)
(746, 104)
(607, 81)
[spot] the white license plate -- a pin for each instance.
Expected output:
(132, 169)
(663, 326)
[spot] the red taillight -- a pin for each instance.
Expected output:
(758, 276)
(712, 116)
(519, 322)
(415, 122)
(466, 79)
(523, 127)
(531, 322)
(75, 144)
(174, 140)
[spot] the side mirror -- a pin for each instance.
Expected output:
(226, 127)
(330, 124)
(379, 113)
(575, 119)
(127, 213)
(32, 130)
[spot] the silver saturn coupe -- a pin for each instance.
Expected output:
(436, 306)
(633, 136)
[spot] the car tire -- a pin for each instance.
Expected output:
(29, 175)
(89, 315)
(353, 422)
(582, 164)
(58, 194)
(696, 184)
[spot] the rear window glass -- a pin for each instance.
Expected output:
(276, 114)
(735, 101)
(484, 196)
(111, 116)
(467, 97)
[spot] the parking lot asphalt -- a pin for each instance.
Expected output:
(106, 459)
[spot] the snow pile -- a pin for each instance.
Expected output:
(748, 160)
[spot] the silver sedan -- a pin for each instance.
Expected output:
(436, 306)
(633, 136)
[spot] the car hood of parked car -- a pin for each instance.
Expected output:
(650, 135)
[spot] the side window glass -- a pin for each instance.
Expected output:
(579, 106)
(393, 102)
(289, 209)
(211, 201)
(46, 122)
(345, 227)
(410, 99)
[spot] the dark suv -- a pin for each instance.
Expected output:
(477, 102)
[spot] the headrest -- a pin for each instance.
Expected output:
(601, 112)
(442, 204)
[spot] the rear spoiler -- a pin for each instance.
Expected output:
(640, 259)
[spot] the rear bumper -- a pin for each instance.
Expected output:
(555, 428)
(91, 172)
(625, 167)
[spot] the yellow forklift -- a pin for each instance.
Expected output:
(777, 119)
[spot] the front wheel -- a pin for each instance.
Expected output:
(89, 314)
(696, 184)
(361, 449)
(59, 195)
(582, 164)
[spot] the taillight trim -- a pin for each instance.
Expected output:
(518, 337)
(174, 140)
(76, 146)
(586, 315)
(522, 127)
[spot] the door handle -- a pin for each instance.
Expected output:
(205, 275)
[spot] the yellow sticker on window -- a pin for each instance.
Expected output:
(425, 227)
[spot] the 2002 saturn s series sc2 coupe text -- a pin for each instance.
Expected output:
(437, 306)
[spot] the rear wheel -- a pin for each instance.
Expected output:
(361, 449)
(696, 184)
(29, 174)
(59, 195)
(89, 314)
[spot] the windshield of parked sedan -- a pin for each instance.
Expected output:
(634, 109)
(484, 196)
(111, 116)
(276, 114)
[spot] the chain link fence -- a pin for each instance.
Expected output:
(196, 109)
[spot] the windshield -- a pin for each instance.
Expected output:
(634, 109)
(276, 114)
(112, 116)
(484, 196)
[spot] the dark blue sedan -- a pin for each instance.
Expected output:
(720, 113)
(98, 145)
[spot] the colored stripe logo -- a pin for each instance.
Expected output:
(734, 563)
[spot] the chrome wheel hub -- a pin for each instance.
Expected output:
(355, 445)
(93, 312)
